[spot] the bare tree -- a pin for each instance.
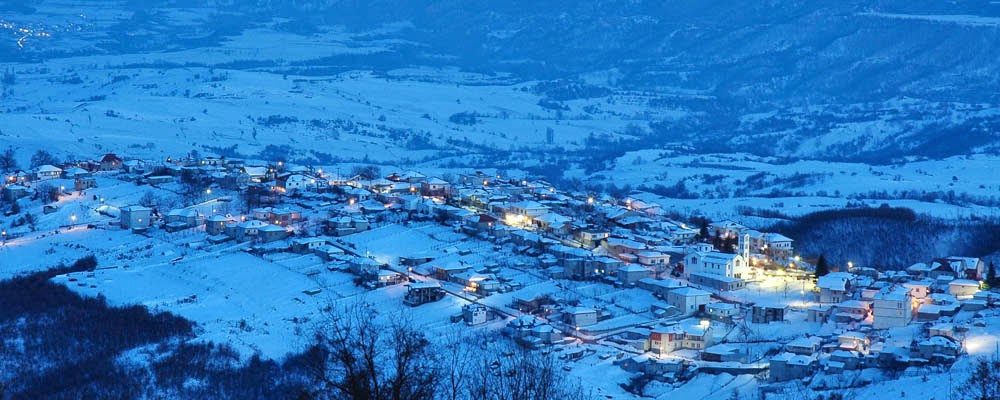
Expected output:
(984, 383)
(42, 157)
(457, 357)
(507, 371)
(359, 357)
(8, 162)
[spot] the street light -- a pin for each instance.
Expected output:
(208, 191)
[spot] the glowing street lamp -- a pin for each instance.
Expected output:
(208, 191)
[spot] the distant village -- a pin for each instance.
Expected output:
(698, 297)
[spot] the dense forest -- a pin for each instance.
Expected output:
(888, 237)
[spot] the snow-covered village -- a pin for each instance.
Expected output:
(545, 200)
(256, 252)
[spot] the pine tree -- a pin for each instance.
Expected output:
(991, 275)
(821, 267)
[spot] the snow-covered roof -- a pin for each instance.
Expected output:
(805, 342)
(633, 268)
(794, 359)
(182, 212)
(688, 291)
(835, 281)
(426, 285)
(963, 282)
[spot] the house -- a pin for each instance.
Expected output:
(435, 187)
(963, 289)
(675, 337)
(555, 223)
(892, 307)
(110, 162)
(328, 252)
(852, 311)
(216, 224)
(384, 277)
(942, 349)
(46, 172)
(307, 245)
(767, 313)
(843, 360)
(688, 300)
(476, 314)
(591, 237)
(716, 263)
(270, 233)
(854, 341)
(789, 366)
(480, 223)
(84, 183)
(581, 316)
(620, 246)
(254, 174)
(135, 167)
(726, 229)
(76, 172)
(14, 192)
(180, 218)
(659, 287)
(777, 247)
(970, 268)
(445, 272)
(941, 329)
(835, 287)
(418, 293)
(246, 230)
(722, 311)
(136, 218)
(484, 284)
(940, 305)
(523, 213)
(159, 179)
(528, 331)
(920, 290)
(819, 313)
(651, 258)
(632, 273)
(717, 282)
(297, 182)
(725, 353)
(804, 345)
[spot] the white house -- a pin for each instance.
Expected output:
(526, 210)
(892, 308)
(727, 228)
(299, 182)
(835, 287)
(46, 172)
(136, 218)
(716, 263)
(674, 337)
(181, 218)
(963, 289)
(582, 316)
(688, 300)
(632, 273)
